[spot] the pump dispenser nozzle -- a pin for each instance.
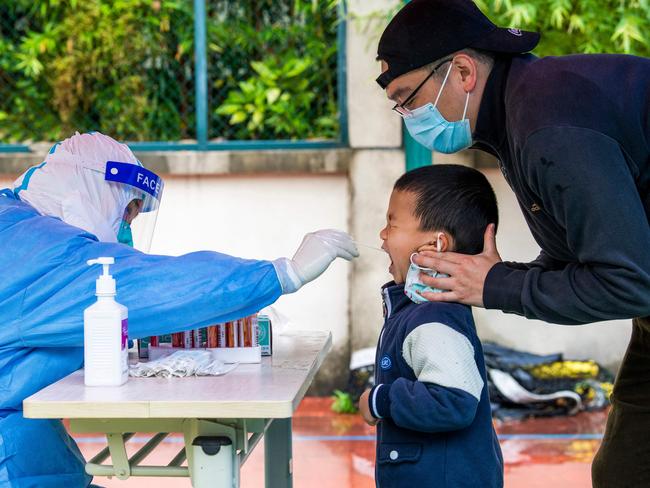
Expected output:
(105, 284)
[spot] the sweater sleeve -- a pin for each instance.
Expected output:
(585, 182)
(447, 391)
(542, 261)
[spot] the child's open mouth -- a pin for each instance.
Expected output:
(390, 266)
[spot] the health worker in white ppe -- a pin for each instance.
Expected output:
(91, 197)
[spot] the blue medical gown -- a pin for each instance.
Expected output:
(45, 287)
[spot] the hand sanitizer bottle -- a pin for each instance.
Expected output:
(105, 334)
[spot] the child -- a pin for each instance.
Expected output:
(430, 400)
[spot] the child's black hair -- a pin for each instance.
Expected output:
(452, 198)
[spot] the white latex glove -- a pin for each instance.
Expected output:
(313, 257)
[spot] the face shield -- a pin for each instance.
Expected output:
(94, 183)
(143, 191)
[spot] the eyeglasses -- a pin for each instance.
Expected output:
(400, 108)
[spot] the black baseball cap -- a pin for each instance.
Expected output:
(424, 31)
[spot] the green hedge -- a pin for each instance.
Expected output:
(578, 26)
(126, 68)
(568, 26)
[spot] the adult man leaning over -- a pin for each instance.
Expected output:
(572, 136)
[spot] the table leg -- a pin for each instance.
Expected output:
(278, 461)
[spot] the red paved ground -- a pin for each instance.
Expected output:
(538, 453)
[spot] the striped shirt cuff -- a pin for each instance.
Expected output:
(379, 401)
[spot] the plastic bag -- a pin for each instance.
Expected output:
(281, 323)
(181, 364)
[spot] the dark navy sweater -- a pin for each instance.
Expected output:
(572, 135)
(431, 399)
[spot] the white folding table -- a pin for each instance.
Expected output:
(222, 418)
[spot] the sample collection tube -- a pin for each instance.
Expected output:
(213, 336)
(243, 332)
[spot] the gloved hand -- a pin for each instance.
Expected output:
(315, 254)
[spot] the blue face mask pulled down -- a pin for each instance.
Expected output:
(428, 127)
(413, 287)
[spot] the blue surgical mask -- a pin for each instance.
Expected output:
(124, 235)
(413, 286)
(428, 127)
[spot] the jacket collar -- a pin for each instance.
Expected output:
(394, 298)
(490, 133)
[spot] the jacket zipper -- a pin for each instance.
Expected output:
(385, 297)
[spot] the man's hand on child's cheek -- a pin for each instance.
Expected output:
(364, 409)
(467, 273)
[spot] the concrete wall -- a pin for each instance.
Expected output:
(372, 175)
(371, 124)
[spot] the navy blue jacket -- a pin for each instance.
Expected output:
(431, 398)
(572, 135)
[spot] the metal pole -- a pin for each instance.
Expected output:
(416, 154)
(201, 74)
(342, 73)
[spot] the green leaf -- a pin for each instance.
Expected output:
(247, 87)
(272, 95)
(263, 70)
(214, 47)
(343, 402)
(227, 109)
(522, 14)
(481, 4)
(498, 4)
(576, 23)
(236, 97)
(559, 12)
(238, 118)
(627, 31)
(298, 67)
(258, 118)
(327, 121)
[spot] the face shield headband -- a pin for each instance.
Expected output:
(146, 188)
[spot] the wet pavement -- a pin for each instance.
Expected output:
(337, 451)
